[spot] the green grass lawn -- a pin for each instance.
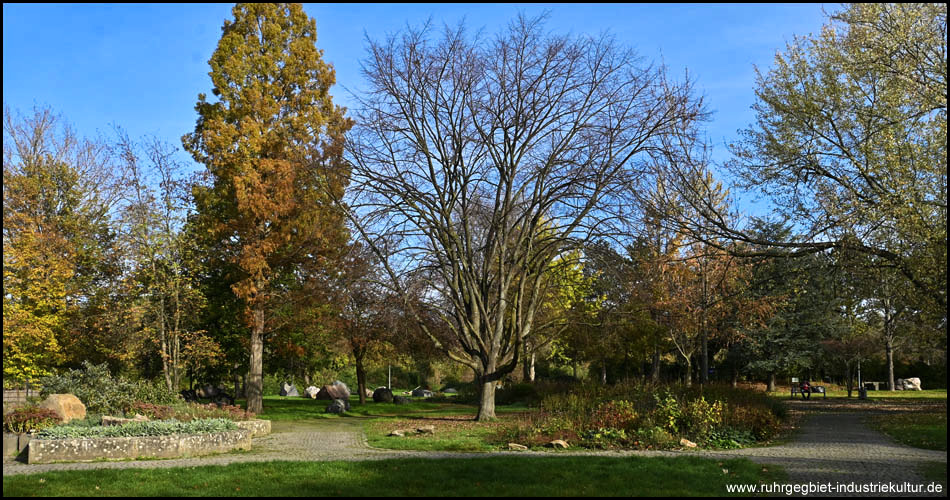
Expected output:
(880, 396)
(486, 476)
(935, 472)
(926, 430)
(928, 394)
(453, 433)
(281, 408)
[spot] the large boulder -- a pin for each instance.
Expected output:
(336, 390)
(383, 395)
(338, 406)
(311, 392)
(288, 390)
(67, 406)
(401, 400)
(208, 391)
(421, 393)
(908, 384)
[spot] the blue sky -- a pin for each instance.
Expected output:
(142, 66)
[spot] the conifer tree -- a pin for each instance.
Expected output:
(272, 146)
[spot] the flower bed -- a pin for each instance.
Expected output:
(152, 439)
(642, 416)
(137, 429)
(43, 451)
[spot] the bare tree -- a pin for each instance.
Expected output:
(476, 162)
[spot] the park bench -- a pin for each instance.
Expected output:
(815, 389)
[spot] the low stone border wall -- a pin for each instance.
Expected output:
(13, 444)
(43, 451)
(257, 427)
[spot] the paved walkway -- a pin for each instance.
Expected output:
(831, 447)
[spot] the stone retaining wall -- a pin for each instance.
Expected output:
(13, 444)
(257, 427)
(41, 451)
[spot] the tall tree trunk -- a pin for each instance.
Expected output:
(360, 376)
(655, 374)
(255, 383)
(525, 363)
(771, 386)
(689, 371)
(486, 405)
(849, 382)
(735, 376)
(166, 352)
(176, 337)
(531, 372)
(889, 351)
(603, 372)
(704, 365)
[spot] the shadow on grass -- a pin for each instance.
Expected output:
(486, 476)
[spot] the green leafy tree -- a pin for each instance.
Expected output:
(58, 243)
(850, 140)
(272, 146)
(154, 239)
(806, 310)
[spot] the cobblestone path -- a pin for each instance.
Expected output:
(830, 447)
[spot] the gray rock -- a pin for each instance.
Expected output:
(912, 384)
(397, 433)
(288, 390)
(517, 447)
(342, 386)
(451, 391)
(336, 390)
(383, 395)
(421, 393)
(400, 400)
(338, 406)
(426, 429)
(559, 443)
(311, 392)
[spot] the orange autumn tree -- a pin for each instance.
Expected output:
(272, 146)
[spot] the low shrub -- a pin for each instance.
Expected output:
(656, 438)
(153, 411)
(29, 419)
(667, 413)
(700, 417)
(187, 412)
(619, 415)
(640, 415)
(729, 438)
(761, 422)
(606, 437)
(138, 429)
(104, 394)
